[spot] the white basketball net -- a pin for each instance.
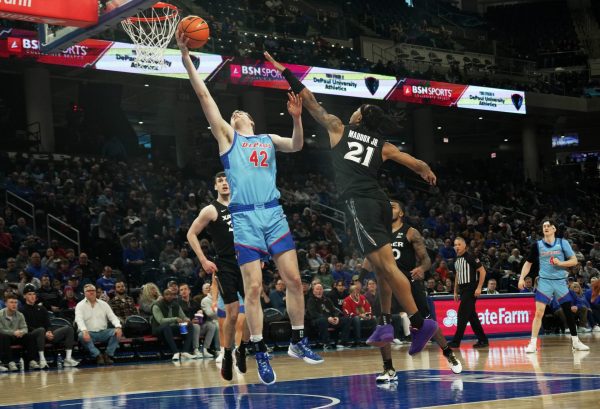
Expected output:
(151, 31)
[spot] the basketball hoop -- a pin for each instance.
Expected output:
(151, 31)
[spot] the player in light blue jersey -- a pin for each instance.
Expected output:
(554, 255)
(260, 228)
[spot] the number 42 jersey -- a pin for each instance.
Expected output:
(356, 160)
(251, 169)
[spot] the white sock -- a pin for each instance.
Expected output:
(42, 357)
(405, 324)
(222, 350)
(68, 353)
(256, 338)
(534, 340)
(574, 338)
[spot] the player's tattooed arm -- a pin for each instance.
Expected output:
(418, 273)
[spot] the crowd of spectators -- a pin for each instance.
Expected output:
(133, 220)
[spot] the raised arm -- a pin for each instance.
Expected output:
(418, 166)
(332, 123)
(295, 143)
(207, 214)
(222, 131)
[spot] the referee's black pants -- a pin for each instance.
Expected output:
(467, 313)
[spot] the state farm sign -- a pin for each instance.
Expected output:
(508, 314)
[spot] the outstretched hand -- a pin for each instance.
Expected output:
(182, 42)
(294, 105)
(277, 65)
(429, 177)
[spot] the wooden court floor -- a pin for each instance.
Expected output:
(497, 377)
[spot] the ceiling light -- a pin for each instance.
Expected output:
(439, 128)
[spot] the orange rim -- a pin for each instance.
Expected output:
(159, 5)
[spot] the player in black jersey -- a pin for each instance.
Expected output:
(358, 150)
(412, 259)
(217, 220)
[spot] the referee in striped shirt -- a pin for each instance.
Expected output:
(468, 285)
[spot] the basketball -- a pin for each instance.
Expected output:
(195, 29)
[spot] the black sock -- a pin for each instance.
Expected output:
(242, 347)
(385, 319)
(416, 320)
(260, 346)
(228, 352)
(387, 364)
(446, 350)
(297, 335)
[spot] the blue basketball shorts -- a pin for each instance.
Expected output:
(547, 288)
(260, 233)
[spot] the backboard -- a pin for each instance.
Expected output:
(110, 12)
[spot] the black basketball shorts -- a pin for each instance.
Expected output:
(230, 280)
(370, 221)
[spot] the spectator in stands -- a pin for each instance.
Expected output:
(12, 272)
(50, 297)
(122, 305)
(183, 265)
(443, 270)
(26, 278)
(358, 309)
(13, 330)
(593, 298)
(6, 243)
(89, 274)
(38, 323)
(323, 314)
(20, 231)
(595, 252)
(210, 308)
(325, 276)
(528, 285)
(167, 316)
(448, 252)
(589, 271)
(35, 267)
(133, 259)
(106, 282)
(22, 257)
(68, 304)
(314, 259)
(150, 294)
(277, 297)
(491, 287)
(340, 273)
(168, 254)
(578, 254)
(75, 283)
(580, 307)
(306, 280)
(92, 316)
(338, 293)
(430, 286)
(102, 295)
(203, 328)
(372, 297)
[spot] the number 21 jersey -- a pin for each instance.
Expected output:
(356, 160)
(251, 169)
